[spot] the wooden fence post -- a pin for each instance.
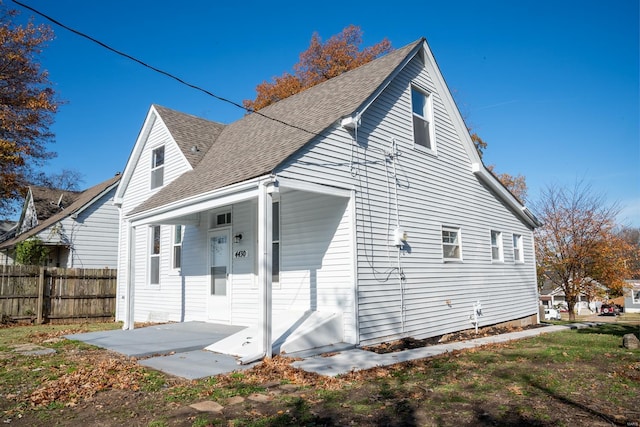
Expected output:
(40, 318)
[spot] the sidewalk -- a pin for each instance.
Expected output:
(178, 349)
(357, 359)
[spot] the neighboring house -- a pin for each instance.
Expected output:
(79, 228)
(357, 211)
(553, 296)
(5, 226)
(632, 297)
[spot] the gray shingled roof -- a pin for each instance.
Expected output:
(190, 131)
(255, 146)
(81, 200)
(46, 200)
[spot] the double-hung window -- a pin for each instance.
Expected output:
(157, 167)
(154, 255)
(176, 261)
(451, 247)
(517, 248)
(496, 246)
(422, 110)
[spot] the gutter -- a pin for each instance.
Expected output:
(479, 170)
(169, 210)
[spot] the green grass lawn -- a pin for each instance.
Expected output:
(575, 377)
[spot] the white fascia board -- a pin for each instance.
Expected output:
(485, 176)
(311, 187)
(132, 161)
(188, 207)
(358, 114)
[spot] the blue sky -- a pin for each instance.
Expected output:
(552, 86)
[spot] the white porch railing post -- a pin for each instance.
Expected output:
(129, 322)
(265, 242)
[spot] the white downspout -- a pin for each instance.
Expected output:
(265, 260)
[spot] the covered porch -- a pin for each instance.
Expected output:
(266, 248)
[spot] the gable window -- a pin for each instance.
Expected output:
(176, 260)
(496, 246)
(422, 110)
(154, 255)
(451, 248)
(157, 167)
(517, 248)
(275, 237)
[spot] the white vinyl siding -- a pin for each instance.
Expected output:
(431, 192)
(91, 236)
(156, 303)
(393, 181)
(316, 263)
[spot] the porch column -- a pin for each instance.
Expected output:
(129, 315)
(265, 261)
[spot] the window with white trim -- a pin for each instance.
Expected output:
(517, 248)
(223, 219)
(176, 253)
(635, 295)
(422, 111)
(154, 255)
(157, 167)
(496, 246)
(451, 247)
(275, 245)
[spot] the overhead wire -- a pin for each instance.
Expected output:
(158, 70)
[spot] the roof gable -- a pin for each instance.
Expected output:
(193, 136)
(81, 202)
(259, 142)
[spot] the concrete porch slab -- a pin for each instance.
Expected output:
(194, 365)
(158, 339)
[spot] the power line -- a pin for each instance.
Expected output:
(157, 70)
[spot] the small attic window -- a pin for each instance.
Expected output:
(422, 111)
(157, 167)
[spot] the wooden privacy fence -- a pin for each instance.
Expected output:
(57, 294)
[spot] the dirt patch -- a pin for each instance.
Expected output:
(468, 334)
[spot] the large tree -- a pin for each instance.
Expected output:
(579, 247)
(320, 62)
(27, 104)
(516, 184)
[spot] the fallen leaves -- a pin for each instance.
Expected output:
(85, 381)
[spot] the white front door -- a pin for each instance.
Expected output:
(218, 299)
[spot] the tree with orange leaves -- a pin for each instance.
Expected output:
(517, 184)
(27, 104)
(320, 62)
(579, 248)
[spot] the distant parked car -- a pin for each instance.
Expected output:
(551, 314)
(609, 310)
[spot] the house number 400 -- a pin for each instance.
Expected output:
(241, 254)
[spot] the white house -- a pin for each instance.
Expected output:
(356, 211)
(80, 229)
